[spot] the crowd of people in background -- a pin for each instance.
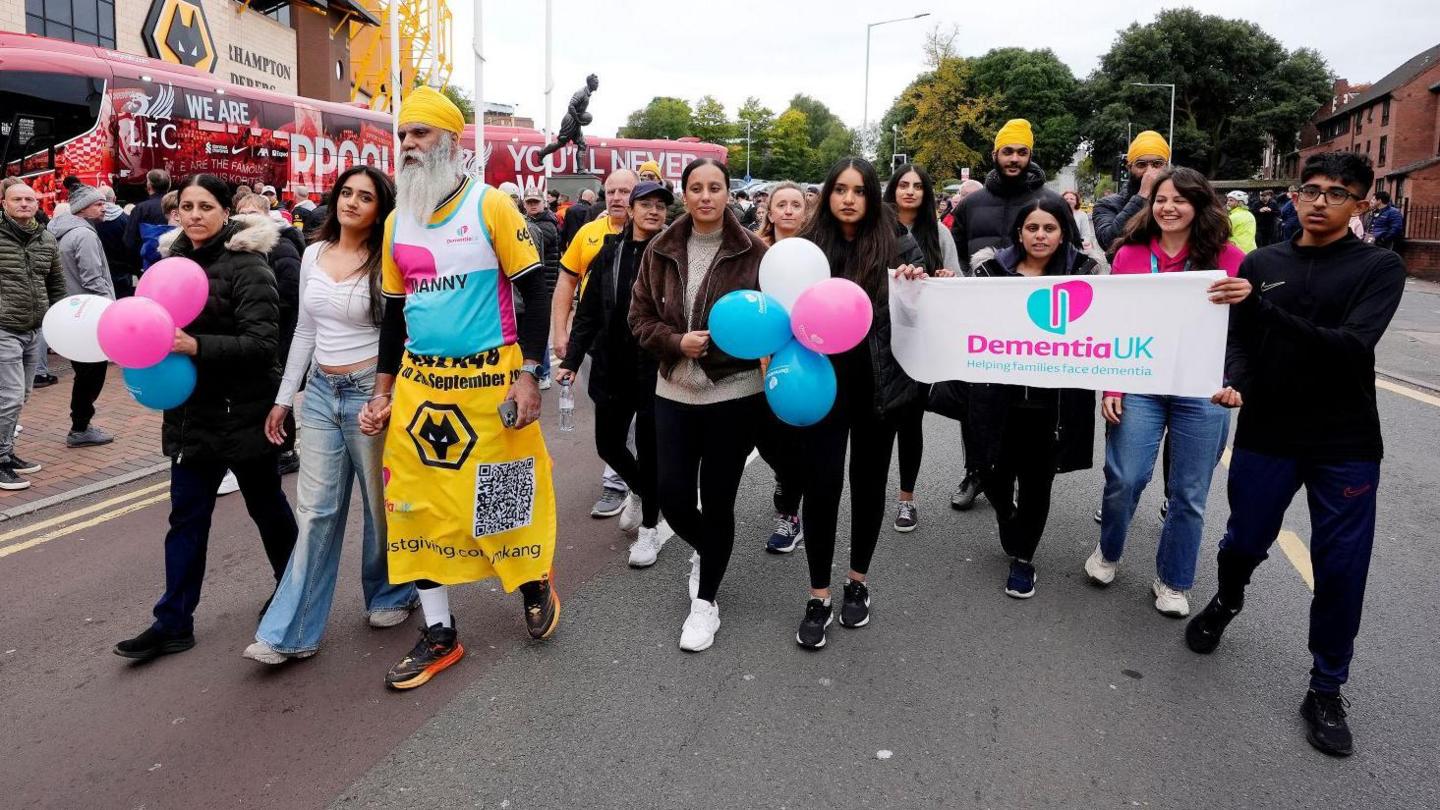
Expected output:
(361, 303)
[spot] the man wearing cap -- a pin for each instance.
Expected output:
(622, 376)
(1147, 158)
(983, 221)
(87, 272)
(1242, 222)
(468, 491)
(574, 266)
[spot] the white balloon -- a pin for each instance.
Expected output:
(71, 327)
(790, 267)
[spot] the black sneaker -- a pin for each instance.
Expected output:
(907, 517)
(154, 643)
(45, 380)
(1325, 725)
(289, 462)
(439, 647)
(787, 535)
(1021, 581)
(9, 481)
(967, 492)
(24, 467)
(855, 609)
(1202, 634)
(542, 608)
(818, 616)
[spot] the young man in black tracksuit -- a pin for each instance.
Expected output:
(622, 375)
(1301, 361)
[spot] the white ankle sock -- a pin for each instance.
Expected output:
(436, 604)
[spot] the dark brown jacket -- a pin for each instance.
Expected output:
(657, 303)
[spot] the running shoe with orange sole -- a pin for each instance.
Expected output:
(439, 647)
(542, 608)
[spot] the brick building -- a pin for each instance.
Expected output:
(1396, 121)
(301, 49)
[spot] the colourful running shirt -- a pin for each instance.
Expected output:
(455, 272)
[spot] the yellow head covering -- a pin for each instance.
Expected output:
(1148, 142)
(425, 105)
(650, 166)
(1015, 132)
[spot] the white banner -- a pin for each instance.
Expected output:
(1137, 334)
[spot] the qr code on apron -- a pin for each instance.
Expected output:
(504, 496)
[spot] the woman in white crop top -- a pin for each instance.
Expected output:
(336, 343)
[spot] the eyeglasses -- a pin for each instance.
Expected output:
(1142, 165)
(1335, 195)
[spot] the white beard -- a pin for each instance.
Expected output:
(421, 187)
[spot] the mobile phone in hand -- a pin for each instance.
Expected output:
(509, 413)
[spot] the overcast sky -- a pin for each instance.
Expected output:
(774, 49)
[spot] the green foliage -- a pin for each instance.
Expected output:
(790, 157)
(943, 114)
(663, 117)
(1036, 86)
(839, 142)
(708, 122)
(762, 123)
(462, 100)
(1235, 85)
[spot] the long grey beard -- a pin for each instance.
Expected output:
(420, 188)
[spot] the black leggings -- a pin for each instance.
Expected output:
(89, 382)
(705, 445)
(782, 448)
(612, 427)
(910, 437)
(871, 440)
(1027, 458)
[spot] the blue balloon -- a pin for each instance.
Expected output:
(800, 385)
(749, 324)
(163, 386)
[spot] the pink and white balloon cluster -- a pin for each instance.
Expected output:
(799, 315)
(136, 333)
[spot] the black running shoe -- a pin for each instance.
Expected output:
(439, 647)
(1202, 634)
(855, 610)
(818, 616)
(288, 462)
(154, 643)
(967, 492)
(907, 517)
(1325, 725)
(44, 380)
(24, 467)
(542, 608)
(10, 480)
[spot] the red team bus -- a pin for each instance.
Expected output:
(109, 117)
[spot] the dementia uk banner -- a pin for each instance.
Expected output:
(1136, 334)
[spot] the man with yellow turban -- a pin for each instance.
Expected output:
(983, 222)
(468, 492)
(1147, 158)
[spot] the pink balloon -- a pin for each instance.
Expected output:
(177, 284)
(832, 316)
(136, 332)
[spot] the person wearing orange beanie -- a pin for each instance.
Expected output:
(1147, 157)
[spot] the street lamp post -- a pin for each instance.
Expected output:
(894, 141)
(865, 116)
(1171, 136)
(747, 149)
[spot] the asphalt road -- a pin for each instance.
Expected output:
(954, 696)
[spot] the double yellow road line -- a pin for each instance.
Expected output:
(59, 526)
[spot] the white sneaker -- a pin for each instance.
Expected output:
(698, 632)
(693, 578)
(1170, 601)
(265, 654)
(390, 617)
(632, 515)
(1100, 570)
(646, 548)
(228, 484)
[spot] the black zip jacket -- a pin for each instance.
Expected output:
(984, 218)
(619, 369)
(1301, 350)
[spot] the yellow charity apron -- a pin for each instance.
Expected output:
(466, 499)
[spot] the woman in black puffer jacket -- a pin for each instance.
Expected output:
(284, 261)
(221, 425)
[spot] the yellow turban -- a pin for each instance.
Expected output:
(650, 166)
(1015, 132)
(425, 105)
(1148, 142)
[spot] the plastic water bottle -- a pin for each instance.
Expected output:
(567, 406)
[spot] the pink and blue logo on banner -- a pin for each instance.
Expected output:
(1061, 305)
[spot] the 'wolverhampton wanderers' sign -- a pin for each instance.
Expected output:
(176, 31)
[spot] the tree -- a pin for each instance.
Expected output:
(945, 115)
(663, 117)
(1036, 86)
(839, 142)
(1235, 86)
(462, 100)
(761, 121)
(819, 119)
(708, 123)
(791, 156)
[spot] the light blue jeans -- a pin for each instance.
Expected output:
(333, 451)
(1198, 431)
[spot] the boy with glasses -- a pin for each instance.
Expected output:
(1301, 359)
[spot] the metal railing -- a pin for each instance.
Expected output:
(1422, 222)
